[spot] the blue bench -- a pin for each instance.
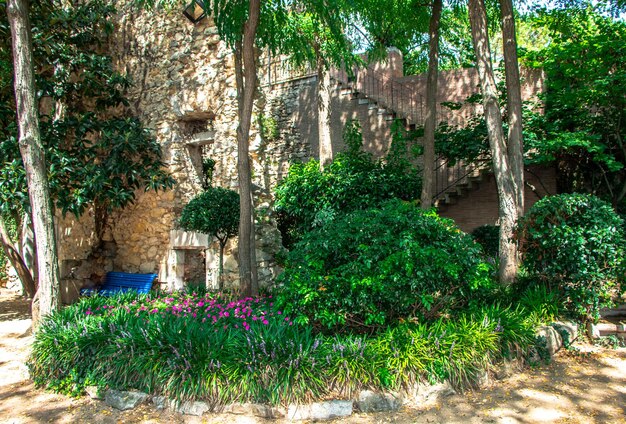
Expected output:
(122, 282)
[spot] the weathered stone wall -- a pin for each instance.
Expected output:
(184, 92)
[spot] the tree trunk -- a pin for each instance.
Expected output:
(323, 111)
(220, 271)
(32, 153)
(254, 272)
(246, 79)
(514, 102)
(497, 142)
(431, 106)
(27, 245)
(17, 262)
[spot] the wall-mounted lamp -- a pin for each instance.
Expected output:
(195, 11)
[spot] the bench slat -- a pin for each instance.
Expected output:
(121, 282)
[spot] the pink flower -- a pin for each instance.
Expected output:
(265, 322)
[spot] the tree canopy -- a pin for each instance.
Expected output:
(95, 150)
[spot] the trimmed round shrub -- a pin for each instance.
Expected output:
(574, 243)
(214, 212)
(373, 267)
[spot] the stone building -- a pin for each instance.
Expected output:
(184, 91)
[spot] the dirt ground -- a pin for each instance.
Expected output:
(573, 388)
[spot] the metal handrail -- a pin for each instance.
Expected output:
(449, 176)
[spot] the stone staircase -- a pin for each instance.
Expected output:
(386, 95)
(395, 100)
(613, 323)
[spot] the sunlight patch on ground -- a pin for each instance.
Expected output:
(545, 415)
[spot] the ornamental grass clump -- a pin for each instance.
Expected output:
(192, 347)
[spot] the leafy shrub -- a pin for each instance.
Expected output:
(372, 267)
(488, 236)
(308, 197)
(188, 347)
(574, 244)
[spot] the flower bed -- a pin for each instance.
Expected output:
(223, 351)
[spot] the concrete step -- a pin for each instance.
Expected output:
(603, 329)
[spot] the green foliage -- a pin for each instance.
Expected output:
(208, 167)
(574, 244)
(187, 347)
(96, 153)
(404, 25)
(369, 268)
(488, 236)
(542, 304)
(469, 143)
(214, 212)
(584, 101)
(268, 127)
(309, 197)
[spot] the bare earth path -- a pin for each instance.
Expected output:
(574, 388)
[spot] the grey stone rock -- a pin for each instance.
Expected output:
(553, 339)
(254, 409)
(124, 400)
(160, 402)
(567, 330)
(320, 410)
(196, 408)
(427, 393)
(370, 401)
(593, 331)
(95, 392)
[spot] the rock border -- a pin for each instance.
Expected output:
(556, 335)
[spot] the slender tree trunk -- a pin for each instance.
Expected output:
(254, 269)
(220, 275)
(497, 142)
(514, 102)
(431, 106)
(28, 250)
(323, 110)
(32, 153)
(246, 79)
(17, 262)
